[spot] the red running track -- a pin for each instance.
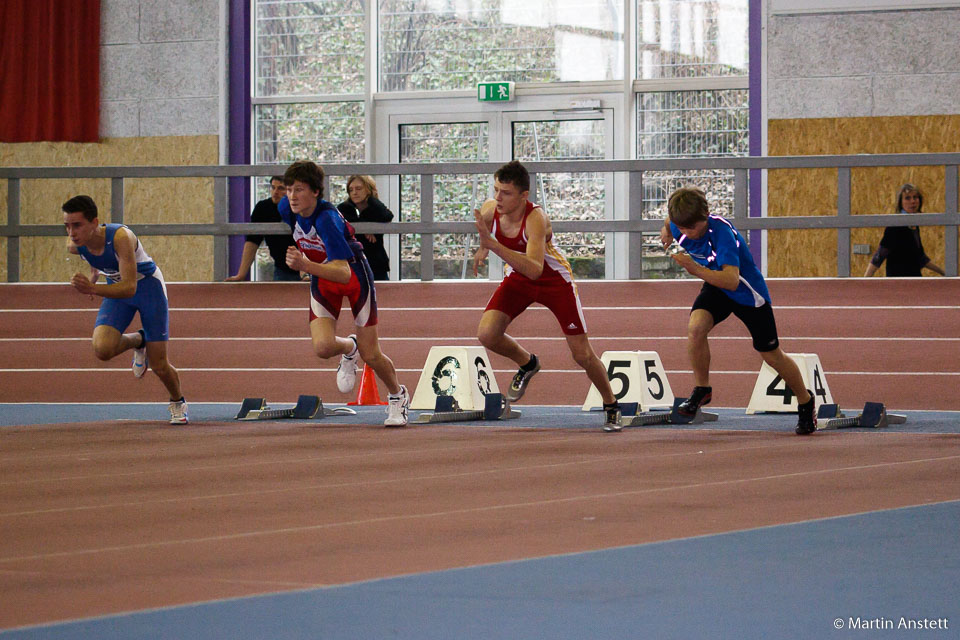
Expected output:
(890, 340)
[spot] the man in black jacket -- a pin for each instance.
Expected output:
(266, 211)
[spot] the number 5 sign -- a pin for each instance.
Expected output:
(771, 393)
(636, 376)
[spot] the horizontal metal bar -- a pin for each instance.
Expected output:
(674, 164)
(560, 226)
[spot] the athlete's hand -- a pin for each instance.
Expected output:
(236, 278)
(295, 259)
(82, 283)
(370, 238)
(478, 259)
(684, 260)
(666, 238)
(487, 241)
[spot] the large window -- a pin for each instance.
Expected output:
(454, 196)
(569, 196)
(439, 44)
(687, 44)
(335, 85)
(310, 51)
(691, 38)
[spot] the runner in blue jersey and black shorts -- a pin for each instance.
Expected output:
(715, 252)
(134, 285)
(327, 249)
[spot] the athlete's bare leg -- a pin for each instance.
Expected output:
(157, 359)
(368, 341)
(584, 355)
(698, 348)
(492, 334)
(108, 343)
(326, 344)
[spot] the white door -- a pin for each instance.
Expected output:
(466, 133)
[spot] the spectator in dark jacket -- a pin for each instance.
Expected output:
(266, 211)
(901, 246)
(363, 205)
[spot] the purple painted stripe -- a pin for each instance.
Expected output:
(239, 120)
(755, 116)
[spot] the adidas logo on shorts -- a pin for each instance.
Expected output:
(572, 326)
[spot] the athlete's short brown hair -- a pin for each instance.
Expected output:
(309, 173)
(687, 206)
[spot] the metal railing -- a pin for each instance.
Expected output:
(634, 224)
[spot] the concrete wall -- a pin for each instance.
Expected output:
(159, 68)
(874, 63)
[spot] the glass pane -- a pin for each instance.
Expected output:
(691, 38)
(692, 124)
(455, 196)
(308, 48)
(688, 124)
(568, 196)
(432, 44)
(322, 132)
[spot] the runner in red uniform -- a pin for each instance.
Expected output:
(519, 232)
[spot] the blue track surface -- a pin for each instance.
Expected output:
(790, 581)
(531, 416)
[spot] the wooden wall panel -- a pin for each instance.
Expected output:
(872, 190)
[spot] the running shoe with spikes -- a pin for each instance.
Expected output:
(698, 397)
(178, 412)
(140, 357)
(518, 386)
(612, 422)
(806, 417)
(398, 409)
(347, 371)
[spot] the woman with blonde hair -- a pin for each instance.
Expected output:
(363, 205)
(901, 246)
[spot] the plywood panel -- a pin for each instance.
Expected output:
(797, 192)
(161, 200)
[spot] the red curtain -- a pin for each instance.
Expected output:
(49, 70)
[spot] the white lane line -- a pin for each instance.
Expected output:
(453, 512)
(751, 372)
(473, 339)
(852, 307)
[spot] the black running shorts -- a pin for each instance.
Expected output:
(758, 320)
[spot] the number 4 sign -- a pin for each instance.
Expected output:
(636, 376)
(771, 394)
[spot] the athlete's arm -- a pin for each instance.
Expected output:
(332, 270)
(666, 235)
(484, 221)
(529, 264)
(123, 243)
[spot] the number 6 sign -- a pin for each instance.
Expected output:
(635, 376)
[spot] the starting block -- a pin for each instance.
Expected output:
(447, 409)
(874, 415)
(307, 407)
(630, 417)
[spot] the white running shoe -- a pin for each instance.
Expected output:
(140, 358)
(397, 409)
(178, 412)
(347, 371)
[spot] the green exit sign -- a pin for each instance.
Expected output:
(494, 91)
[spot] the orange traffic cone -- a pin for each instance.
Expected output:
(368, 393)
